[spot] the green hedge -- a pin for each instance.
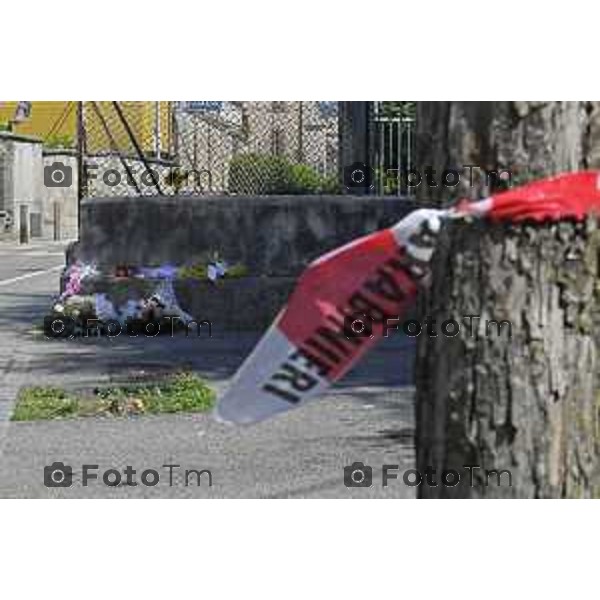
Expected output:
(260, 174)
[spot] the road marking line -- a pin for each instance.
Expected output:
(33, 253)
(28, 275)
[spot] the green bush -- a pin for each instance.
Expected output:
(256, 174)
(261, 174)
(304, 180)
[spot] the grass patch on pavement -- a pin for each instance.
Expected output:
(39, 403)
(182, 392)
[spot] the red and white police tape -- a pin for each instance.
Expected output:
(311, 343)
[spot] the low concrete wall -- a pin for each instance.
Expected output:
(271, 235)
(274, 237)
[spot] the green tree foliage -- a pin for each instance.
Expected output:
(398, 109)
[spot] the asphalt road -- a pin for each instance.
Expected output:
(368, 417)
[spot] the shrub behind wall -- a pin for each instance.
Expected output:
(260, 174)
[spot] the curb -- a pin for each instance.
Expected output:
(11, 383)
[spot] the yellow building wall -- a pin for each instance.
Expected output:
(44, 115)
(59, 119)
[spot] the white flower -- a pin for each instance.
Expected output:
(212, 272)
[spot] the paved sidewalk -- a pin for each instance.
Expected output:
(14, 375)
(367, 417)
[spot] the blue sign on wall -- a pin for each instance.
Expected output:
(203, 105)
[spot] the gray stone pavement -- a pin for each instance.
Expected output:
(367, 417)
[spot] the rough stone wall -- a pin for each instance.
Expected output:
(275, 238)
(271, 236)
